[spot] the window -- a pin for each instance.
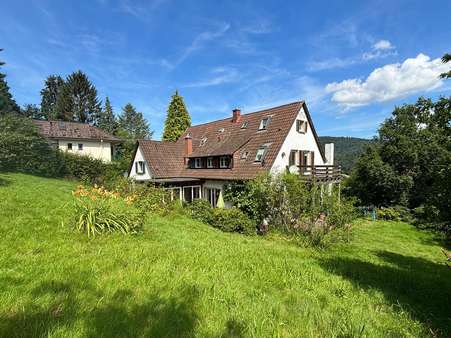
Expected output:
(244, 155)
(260, 154)
(301, 126)
(197, 162)
(292, 159)
(80, 146)
(264, 123)
(69, 146)
(212, 195)
(223, 162)
(140, 167)
(203, 141)
(244, 125)
(190, 193)
(210, 162)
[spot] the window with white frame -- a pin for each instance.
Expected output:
(197, 162)
(209, 162)
(140, 167)
(264, 123)
(212, 195)
(260, 154)
(223, 162)
(80, 146)
(301, 126)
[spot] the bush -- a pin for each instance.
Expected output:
(98, 210)
(395, 213)
(23, 149)
(201, 210)
(151, 199)
(233, 220)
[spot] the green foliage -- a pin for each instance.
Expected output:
(347, 150)
(201, 210)
(7, 103)
(445, 59)
(49, 96)
(151, 199)
(395, 213)
(233, 220)
(133, 125)
(177, 120)
(32, 111)
(98, 211)
(77, 100)
(107, 120)
(23, 149)
(84, 168)
(410, 163)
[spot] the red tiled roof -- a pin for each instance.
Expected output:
(223, 137)
(72, 130)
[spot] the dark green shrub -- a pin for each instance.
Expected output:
(395, 213)
(201, 210)
(84, 168)
(23, 149)
(152, 199)
(233, 220)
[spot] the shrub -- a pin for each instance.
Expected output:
(151, 199)
(84, 168)
(98, 210)
(201, 210)
(233, 220)
(23, 149)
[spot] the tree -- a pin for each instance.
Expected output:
(445, 59)
(77, 100)
(32, 111)
(49, 96)
(133, 125)
(107, 120)
(177, 120)
(7, 103)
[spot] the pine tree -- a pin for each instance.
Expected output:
(32, 111)
(133, 125)
(177, 120)
(49, 95)
(107, 120)
(77, 100)
(7, 103)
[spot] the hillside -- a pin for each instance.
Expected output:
(347, 149)
(181, 278)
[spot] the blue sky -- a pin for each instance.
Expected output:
(352, 61)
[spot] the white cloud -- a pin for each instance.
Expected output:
(383, 44)
(389, 82)
(221, 75)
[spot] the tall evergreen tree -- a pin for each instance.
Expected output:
(107, 120)
(32, 111)
(49, 95)
(78, 100)
(177, 120)
(7, 103)
(133, 125)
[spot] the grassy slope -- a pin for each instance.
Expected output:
(182, 278)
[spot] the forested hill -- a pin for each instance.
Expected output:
(347, 149)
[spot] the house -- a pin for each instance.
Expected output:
(79, 138)
(207, 156)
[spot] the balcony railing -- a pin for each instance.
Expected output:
(320, 173)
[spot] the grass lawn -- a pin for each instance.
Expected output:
(180, 278)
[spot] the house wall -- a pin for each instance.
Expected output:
(296, 141)
(140, 177)
(95, 149)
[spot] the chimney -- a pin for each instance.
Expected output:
(188, 145)
(329, 153)
(236, 115)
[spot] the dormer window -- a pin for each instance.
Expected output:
(209, 162)
(223, 162)
(244, 154)
(261, 152)
(301, 126)
(197, 162)
(264, 123)
(244, 125)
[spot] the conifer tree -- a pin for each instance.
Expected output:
(7, 103)
(32, 111)
(107, 120)
(49, 95)
(177, 120)
(133, 125)
(77, 100)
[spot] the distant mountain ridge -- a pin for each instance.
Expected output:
(347, 149)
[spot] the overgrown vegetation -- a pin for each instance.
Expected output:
(181, 278)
